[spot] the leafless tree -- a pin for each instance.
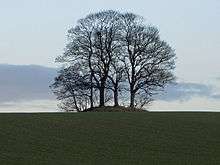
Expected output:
(116, 78)
(72, 89)
(148, 60)
(93, 43)
(112, 51)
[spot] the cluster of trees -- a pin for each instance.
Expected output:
(112, 58)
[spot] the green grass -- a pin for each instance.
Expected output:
(110, 138)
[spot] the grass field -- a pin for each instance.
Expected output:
(110, 138)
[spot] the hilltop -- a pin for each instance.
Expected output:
(114, 109)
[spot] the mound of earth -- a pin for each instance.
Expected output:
(114, 109)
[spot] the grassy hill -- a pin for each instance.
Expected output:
(110, 138)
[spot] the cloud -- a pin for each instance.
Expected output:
(183, 91)
(25, 82)
(198, 104)
(29, 106)
(216, 96)
(31, 82)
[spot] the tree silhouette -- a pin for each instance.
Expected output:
(110, 53)
(148, 60)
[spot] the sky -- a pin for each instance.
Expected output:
(34, 32)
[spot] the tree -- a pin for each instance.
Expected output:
(107, 35)
(148, 60)
(93, 43)
(112, 51)
(116, 78)
(72, 89)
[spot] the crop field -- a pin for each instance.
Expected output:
(110, 138)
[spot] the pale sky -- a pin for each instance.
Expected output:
(34, 32)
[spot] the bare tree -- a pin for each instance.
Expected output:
(72, 89)
(112, 51)
(107, 35)
(148, 60)
(116, 78)
(93, 42)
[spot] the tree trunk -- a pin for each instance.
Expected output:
(102, 95)
(91, 93)
(91, 97)
(75, 102)
(132, 92)
(132, 97)
(116, 97)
